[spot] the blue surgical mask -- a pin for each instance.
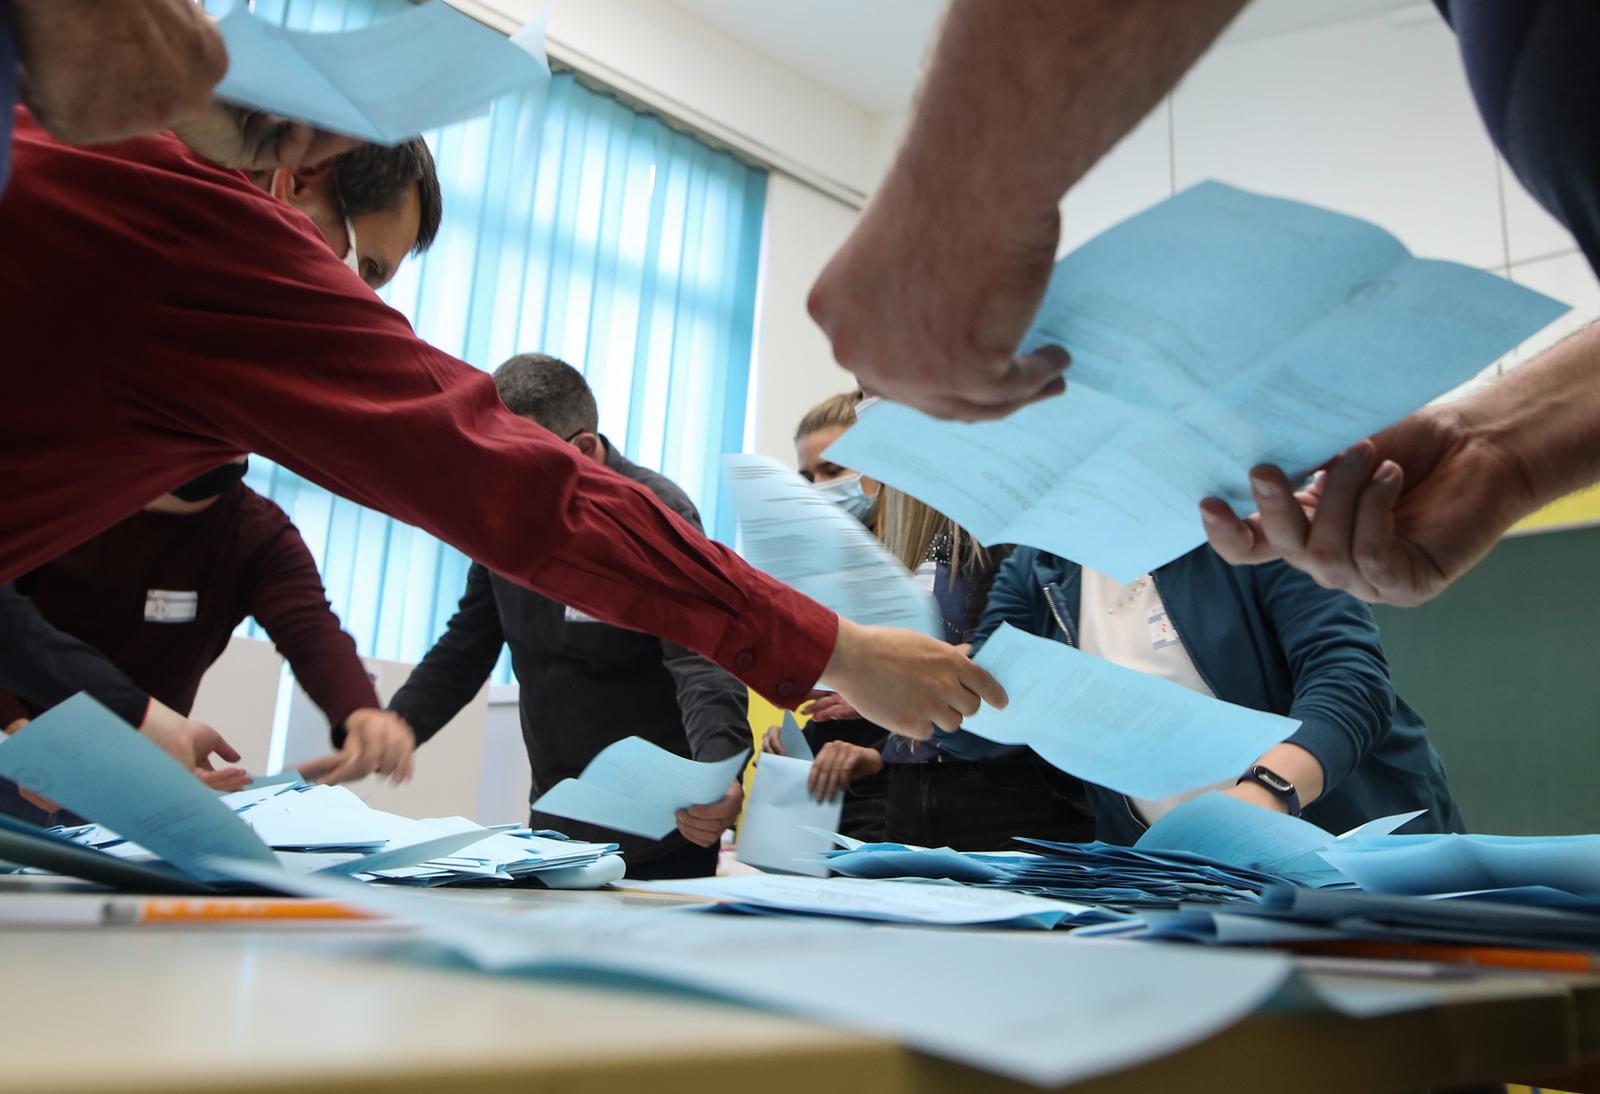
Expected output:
(845, 492)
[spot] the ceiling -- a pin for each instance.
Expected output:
(870, 51)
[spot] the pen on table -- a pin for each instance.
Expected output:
(1491, 957)
(55, 911)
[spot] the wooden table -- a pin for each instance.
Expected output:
(176, 1010)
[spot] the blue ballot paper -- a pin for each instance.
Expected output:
(790, 531)
(1135, 733)
(1226, 829)
(927, 903)
(1448, 863)
(636, 787)
(385, 82)
(92, 762)
(1023, 1004)
(1215, 331)
(784, 827)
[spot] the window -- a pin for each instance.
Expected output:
(574, 226)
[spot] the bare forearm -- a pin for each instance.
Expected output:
(1023, 96)
(1298, 766)
(1546, 417)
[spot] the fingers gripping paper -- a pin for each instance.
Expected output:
(1216, 331)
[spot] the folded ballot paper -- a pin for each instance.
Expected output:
(159, 828)
(795, 534)
(385, 82)
(637, 787)
(1218, 330)
(784, 827)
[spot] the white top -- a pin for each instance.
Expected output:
(1128, 626)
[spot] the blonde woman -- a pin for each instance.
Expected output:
(894, 787)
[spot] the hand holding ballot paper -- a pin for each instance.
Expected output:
(1188, 371)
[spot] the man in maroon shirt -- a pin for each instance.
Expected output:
(205, 319)
(159, 594)
(373, 206)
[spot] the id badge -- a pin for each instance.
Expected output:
(168, 606)
(1162, 632)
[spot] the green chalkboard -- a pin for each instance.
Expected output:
(1505, 668)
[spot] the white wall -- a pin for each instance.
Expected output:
(470, 768)
(794, 367)
(648, 45)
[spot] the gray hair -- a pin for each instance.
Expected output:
(549, 391)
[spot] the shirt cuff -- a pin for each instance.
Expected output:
(1332, 748)
(779, 645)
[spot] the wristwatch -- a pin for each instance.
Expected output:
(1275, 784)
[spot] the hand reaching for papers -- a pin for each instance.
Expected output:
(931, 316)
(192, 744)
(1395, 519)
(96, 72)
(839, 764)
(375, 741)
(704, 824)
(907, 682)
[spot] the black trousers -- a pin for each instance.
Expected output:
(981, 806)
(690, 860)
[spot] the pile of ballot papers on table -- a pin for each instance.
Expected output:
(311, 827)
(159, 829)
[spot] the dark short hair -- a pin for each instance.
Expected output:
(374, 179)
(549, 391)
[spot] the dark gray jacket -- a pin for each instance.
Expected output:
(584, 684)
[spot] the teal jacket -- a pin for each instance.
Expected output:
(1270, 638)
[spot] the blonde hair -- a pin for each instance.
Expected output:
(909, 527)
(837, 412)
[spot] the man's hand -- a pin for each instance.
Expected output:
(927, 309)
(232, 136)
(704, 824)
(772, 740)
(192, 744)
(95, 71)
(907, 682)
(839, 764)
(830, 706)
(1392, 520)
(374, 741)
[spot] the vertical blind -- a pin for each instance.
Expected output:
(573, 226)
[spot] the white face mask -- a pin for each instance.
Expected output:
(352, 257)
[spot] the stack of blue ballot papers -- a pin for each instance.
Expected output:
(313, 828)
(159, 828)
(1100, 874)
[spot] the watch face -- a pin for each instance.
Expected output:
(1275, 781)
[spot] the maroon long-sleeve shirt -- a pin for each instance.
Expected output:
(159, 594)
(159, 315)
